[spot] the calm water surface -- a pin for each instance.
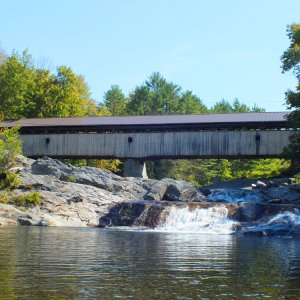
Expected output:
(76, 263)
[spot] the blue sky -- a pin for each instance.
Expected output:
(218, 49)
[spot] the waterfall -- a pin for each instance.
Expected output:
(201, 220)
(286, 217)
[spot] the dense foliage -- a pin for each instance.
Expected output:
(291, 61)
(10, 147)
(30, 92)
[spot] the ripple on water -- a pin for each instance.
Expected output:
(84, 263)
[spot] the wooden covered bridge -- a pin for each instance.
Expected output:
(139, 138)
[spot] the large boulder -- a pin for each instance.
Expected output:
(249, 212)
(236, 196)
(174, 190)
(129, 188)
(30, 220)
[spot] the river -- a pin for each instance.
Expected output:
(91, 263)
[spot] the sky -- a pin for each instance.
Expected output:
(215, 48)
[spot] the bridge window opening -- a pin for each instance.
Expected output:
(130, 139)
(47, 141)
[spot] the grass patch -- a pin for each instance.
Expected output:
(25, 200)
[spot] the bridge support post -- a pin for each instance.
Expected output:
(135, 168)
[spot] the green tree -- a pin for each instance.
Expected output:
(72, 98)
(222, 106)
(3, 56)
(17, 80)
(28, 92)
(191, 104)
(291, 62)
(10, 148)
(115, 101)
(156, 96)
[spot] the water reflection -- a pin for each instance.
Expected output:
(76, 263)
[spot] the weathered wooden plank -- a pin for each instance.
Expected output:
(159, 144)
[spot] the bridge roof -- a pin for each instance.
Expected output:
(200, 120)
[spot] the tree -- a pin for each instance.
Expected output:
(17, 80)
(10, 148)
(3, 56)
(191, 104)
(156, 96)
(115, 101)
(28, 92)
(222, 106)
(291, 62)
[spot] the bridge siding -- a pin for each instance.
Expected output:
(158, 144)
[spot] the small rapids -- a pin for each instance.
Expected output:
(200, 220)
(214, 220)
(283, 224)
(287, 217)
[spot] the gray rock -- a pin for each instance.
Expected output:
(131, 188)
(291, 180)
(49, 166)
(157, 190)
(276, 192)
(174, 190)
(73, 196)
(261, 184)
(250, 211)
(236, 196)
(32, 221)
(292, 197)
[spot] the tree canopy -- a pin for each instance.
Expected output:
(157, 96)
(291, 62)
(29, 92)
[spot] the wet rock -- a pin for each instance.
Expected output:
(31, 221)
(249, 212)
(268, 230)
(205, 191)
(278, 201)
(281, 181)
(140, 213)
(291, 180)
(292, 197)
(260, 184)
(284, 193)
(236, 196)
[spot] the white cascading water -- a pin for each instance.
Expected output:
(201, 220)
(286, 217)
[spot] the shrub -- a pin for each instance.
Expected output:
(9, 180)
(72, 178)
(4, 197)
(27, 200)
(297, 178)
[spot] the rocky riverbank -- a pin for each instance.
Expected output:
(86, 196)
